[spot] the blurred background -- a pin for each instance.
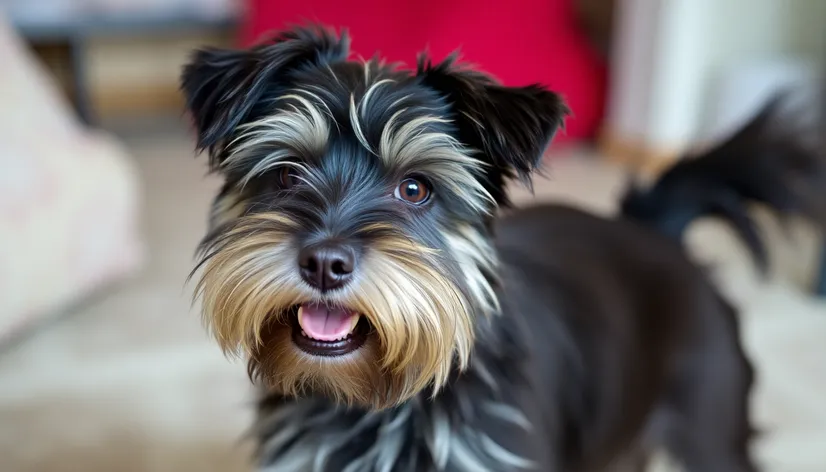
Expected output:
(104, 365)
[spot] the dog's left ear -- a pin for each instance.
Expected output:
(512, 126)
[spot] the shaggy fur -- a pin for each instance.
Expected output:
(546, 340)
(770, 161)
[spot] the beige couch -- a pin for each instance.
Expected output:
(69, 198)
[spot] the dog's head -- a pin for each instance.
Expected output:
(349, 249)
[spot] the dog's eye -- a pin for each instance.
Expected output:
(288, 177)
(414, 191)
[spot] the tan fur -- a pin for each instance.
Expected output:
(303, 129)
(414, 145)
(422, 322)
(413, 142)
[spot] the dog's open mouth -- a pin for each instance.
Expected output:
(323, 330)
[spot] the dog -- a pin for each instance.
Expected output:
(771, 160)
(395, 322)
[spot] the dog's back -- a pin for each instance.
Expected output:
(632, 342)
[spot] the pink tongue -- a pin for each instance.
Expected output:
(325, 324)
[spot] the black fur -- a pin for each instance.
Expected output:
(607, 342)
(768, 162)
(223, 87)
(512, 126)
(611, 345)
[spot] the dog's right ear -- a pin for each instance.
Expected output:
(222, 86)
(512, 126)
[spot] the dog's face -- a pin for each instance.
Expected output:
(349, 251)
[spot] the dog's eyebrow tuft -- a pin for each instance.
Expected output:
(418, 144)
(300, 129)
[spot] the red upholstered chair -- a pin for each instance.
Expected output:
(519, 42)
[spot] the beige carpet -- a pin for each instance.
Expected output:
(129, 382)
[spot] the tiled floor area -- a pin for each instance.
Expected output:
(130, 383)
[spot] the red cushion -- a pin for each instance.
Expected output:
(536, 42)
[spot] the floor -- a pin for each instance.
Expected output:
(129, 382)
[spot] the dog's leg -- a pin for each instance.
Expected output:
(820, 283)
(706, 418)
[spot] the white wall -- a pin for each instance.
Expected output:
(632, 65)
(670, 55)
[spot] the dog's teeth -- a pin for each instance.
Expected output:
(304, 334)
(353, 322)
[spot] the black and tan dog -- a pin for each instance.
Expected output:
(395, 324)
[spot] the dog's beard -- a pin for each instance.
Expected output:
(422, 324)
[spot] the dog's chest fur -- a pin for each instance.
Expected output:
(477, 424)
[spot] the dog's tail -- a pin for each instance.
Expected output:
(769, 161)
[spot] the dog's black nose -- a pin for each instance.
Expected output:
(327, 266)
